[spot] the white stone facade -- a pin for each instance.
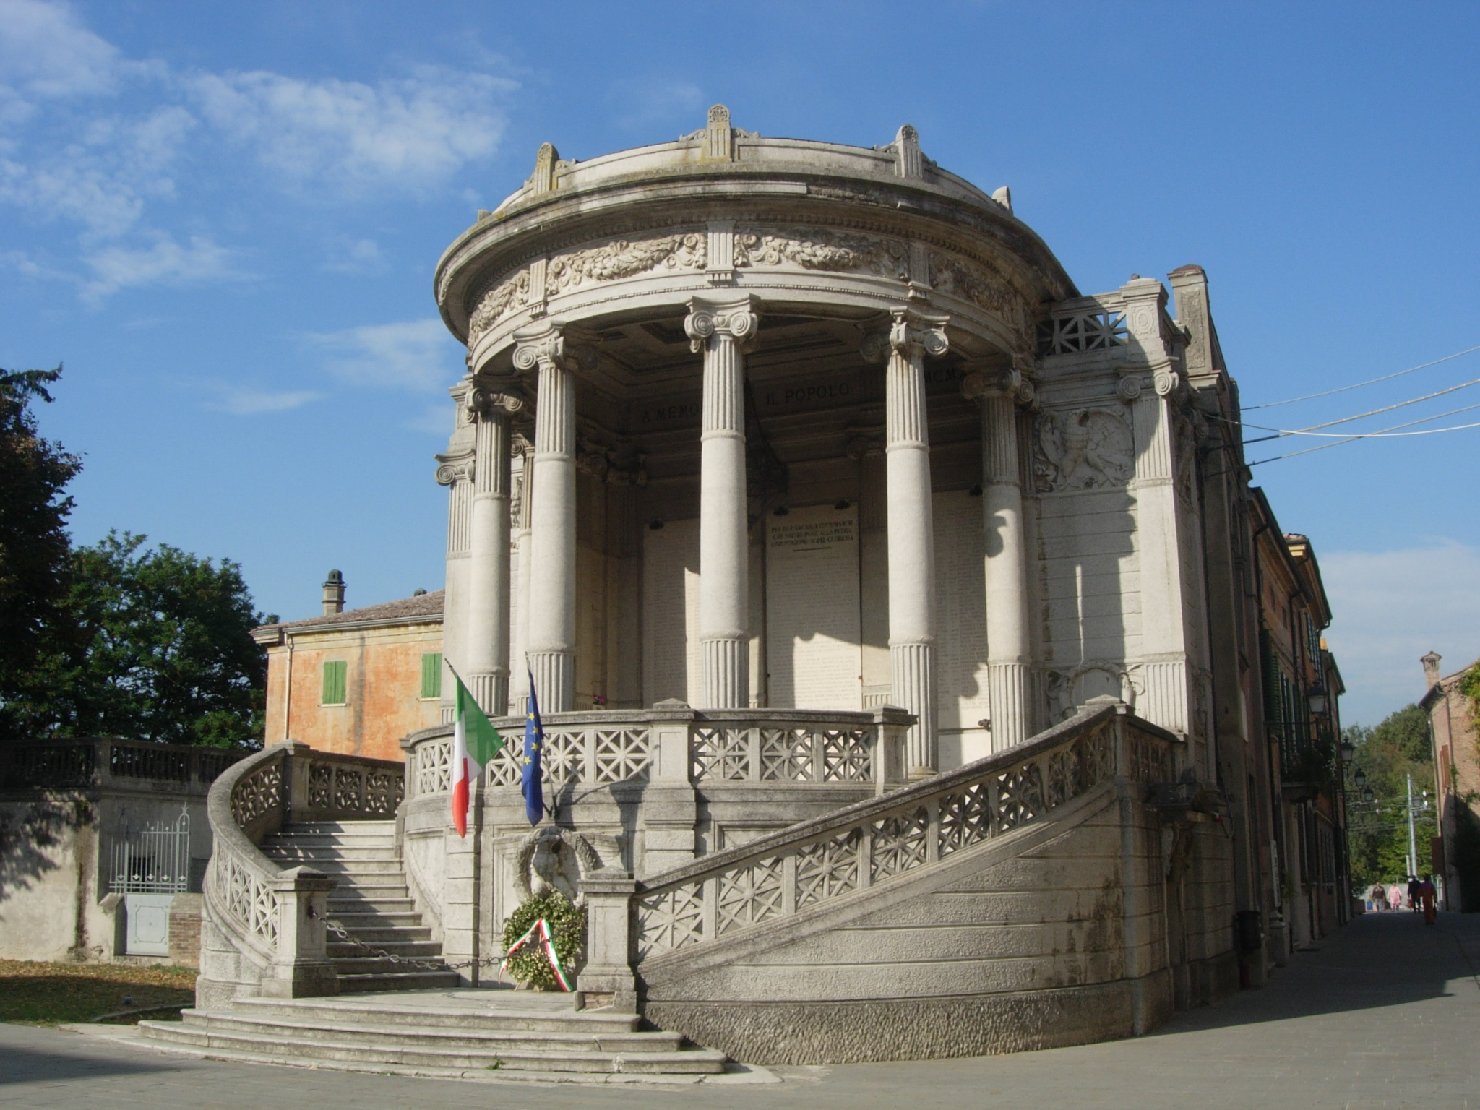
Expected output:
(799, 425)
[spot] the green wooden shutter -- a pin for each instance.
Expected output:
(334, 684)
(431, 674)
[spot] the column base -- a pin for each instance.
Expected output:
(912, 681)
(554, 680)
(726, 681)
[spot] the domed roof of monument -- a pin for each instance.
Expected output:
(721, 172)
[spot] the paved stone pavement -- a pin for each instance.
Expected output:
(1383, 1014)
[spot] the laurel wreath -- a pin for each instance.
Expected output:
(568, 928)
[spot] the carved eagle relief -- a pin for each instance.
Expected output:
(1082, 449)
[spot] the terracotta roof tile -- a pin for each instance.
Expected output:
(427, 606)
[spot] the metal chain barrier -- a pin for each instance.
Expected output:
(409, 961)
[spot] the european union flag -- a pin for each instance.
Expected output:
(532, 786)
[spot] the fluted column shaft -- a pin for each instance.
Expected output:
(721, 331)
(552, 570)
(911, 536)
(1008, 648)
(487, 655)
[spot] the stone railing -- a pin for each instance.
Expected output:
(105, 761)
(1082, 326)
(886, 838)
(679, 744)
(275, 918)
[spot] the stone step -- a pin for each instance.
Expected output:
(392, 934)
(394, 945)
(414, 980)
(375, 1031)
(378, 827)
(353, 905)
(356, 962)
(439, 1051)
(357, 917)
(313, 855)
(460, 1009)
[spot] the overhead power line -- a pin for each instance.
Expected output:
(1394, 431)
(1370, 381)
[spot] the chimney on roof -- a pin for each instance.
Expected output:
(1431, 668)
(334, 593)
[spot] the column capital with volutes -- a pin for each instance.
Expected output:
(1006, 382)
(549, 344)
(909, 333)
(731, 318)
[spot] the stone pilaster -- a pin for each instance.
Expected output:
(455, 470)
(552, 570)
(721, 331)
(912, 335)
(486, 659)
(1150, 387)
(1009, 647)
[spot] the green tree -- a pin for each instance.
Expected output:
(34, 506)
(160, 648)
(1377, 831)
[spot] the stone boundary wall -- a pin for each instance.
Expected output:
(1049, 936)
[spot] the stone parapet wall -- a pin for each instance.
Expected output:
(1028, 942)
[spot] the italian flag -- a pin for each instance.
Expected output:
(474, 742)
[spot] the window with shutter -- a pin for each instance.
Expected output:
(335, 672)
(431, 674)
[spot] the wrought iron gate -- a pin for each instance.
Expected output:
(149, 868)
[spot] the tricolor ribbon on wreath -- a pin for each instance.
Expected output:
(539, 934)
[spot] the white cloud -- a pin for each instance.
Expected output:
(355, 256)
(46, 52)
(165, 262)
(416, 355)
(348, 136)
(254, 402)
(1390, 607)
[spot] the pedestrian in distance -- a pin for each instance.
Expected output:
(1413, 894)
(1377, 898)
(1426, 895)
(1395, 897)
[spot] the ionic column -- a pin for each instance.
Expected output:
(912, 336)
(552, 570)
(721, 331)
(487, 652)
(1009, 651)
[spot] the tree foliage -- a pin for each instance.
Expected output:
(1377, 831)
(34, 506)
(158, 647)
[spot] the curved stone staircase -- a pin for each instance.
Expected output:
(406, 1017)
(386, 945)
(455, 1034)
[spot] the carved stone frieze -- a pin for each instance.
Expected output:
(622, 258)
(498, 302)
(820, 249)
(960, 277)
(1082, 449)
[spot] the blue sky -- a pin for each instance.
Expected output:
(223, 219)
